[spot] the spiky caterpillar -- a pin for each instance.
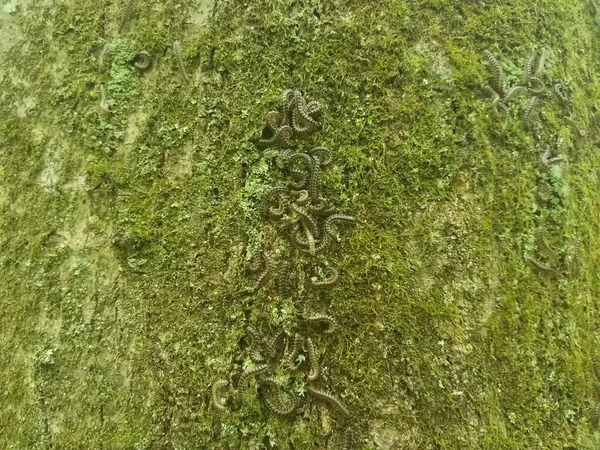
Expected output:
(529, 110)
(326, 157)
(252, 372)
(219, 403)
(179, 60)
(497, 81)
(281, 192)
(329, 321)
(274, 344)
(330, 280)
(315, 178)
(329, 398)
(306, 219)
(300, 112)
(595, 415)
(321, 207)
(268, 269)
(313, 362)
(281, 137)
(126, 15)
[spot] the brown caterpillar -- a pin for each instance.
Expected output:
(179, 60)
(279, 137)
(497, 81)
(329, 398)
(313, 362)
(329, 321)
(219, 403)
(330, 280)
(305, 218)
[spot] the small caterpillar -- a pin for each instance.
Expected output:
(268, 268)
(305, 218)
(143, 60)
(329, 398)
(284, 288)
(528, 110)
(219, 403)
(277, 404)
(291, 358)
(541, 266)
(127, 8)
(103, 104)
(558, 90)
(274, 344)
(321, 208)
(252, 372)
(315, 178)
(313, 362)
(301, 111)
(312, 249)
(103, 57)
(595, 415)
(528, 72)
(302, 198)
(337, 217)
(328, 155)
(330, 280)
(497, 81)
(324, 319)
(281, 137)
(179, 59)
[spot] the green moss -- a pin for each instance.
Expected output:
(124, 238)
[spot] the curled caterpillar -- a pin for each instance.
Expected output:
(329, 398)
(219, 403)
(179, 60)
(497, 81)
(142, 60)
(337, 218)
(274, 344)
(330, 280)
(326, 155)
(313, 362)
(281, 402)
(558, 90)
(323, 319)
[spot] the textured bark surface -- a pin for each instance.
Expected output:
(466, 305)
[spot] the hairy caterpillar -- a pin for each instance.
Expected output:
(315, 178)
(529, 110)
(143, 60)
(313, 362)
(252, 372)
(594, 357)
(103, 57)
(103, 103)
(328, 155)
(330, 280)
(179, 60)
(126, 15)
(329, 398)
(219, 403)
(306, 219)
(329, 321)
(497, 81)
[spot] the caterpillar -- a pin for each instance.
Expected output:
(284, 288)
(300, 111)
(281, 137)
(329, 398)
(268, 268)
(327, 160)
(103, 57)
(179, 60)
(528, 110)
(103, 103)
(329, 321)
(315, 178)
(337, 217)
(322, 208)
(313, 362)
(558, 90)
(497, 81)
(528, 72)
(513, 92)
(330, 280)
(305, 218)
(291, 357)
(126, 15)
(219, 403)
(143, 60)
(252, 372)
(541, 266)
(275, 402)
(274, 344)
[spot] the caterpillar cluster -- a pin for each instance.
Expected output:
(286, 366)
(531, 84)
